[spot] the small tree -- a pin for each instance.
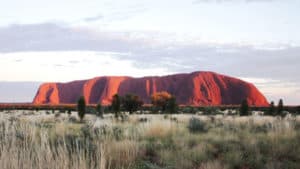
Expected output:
(116, 105)
(99, 110)
(131, 103)
(81, 107)
(69, 112)
(244, 109)
(280, 108)
(172, 106)
(298, 110)
(271, 110)
(160, 99)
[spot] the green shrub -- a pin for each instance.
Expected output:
(174, 119)
(166, 116)
(188, 110)
(91, 110)
(211, 110)
(72, 119)
(81, 107)
(131, 103)
(196, 125)
(271, 110)
(124, 117)
(143, 119)
(298, 110)
(244, 109)
(99, 110)
(61, 111)
(69, 112)
(172, 106)
(57, 115)
(116, 105)
(280, 108)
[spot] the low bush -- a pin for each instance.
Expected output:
(196, 125)
(188, 110)
(143, 119)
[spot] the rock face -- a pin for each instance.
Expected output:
(197, 88)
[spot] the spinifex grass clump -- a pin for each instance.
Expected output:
(196, 125)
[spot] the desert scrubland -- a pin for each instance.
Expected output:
(52, 140)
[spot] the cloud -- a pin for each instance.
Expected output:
(52, 37)
(55, 66)
(93, 18)
(112, 13)
(18, 60)
(74, 61)
(224, 1)
(154, 51)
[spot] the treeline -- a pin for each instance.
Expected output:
(165, 103)
(272, 110)
(161, 102)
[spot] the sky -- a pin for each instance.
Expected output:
(48, 41)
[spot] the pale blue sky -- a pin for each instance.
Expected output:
(257, 40)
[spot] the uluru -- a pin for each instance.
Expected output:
(197, 88)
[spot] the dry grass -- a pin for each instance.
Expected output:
(123, 153)
(159, 129)
(39, 140)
